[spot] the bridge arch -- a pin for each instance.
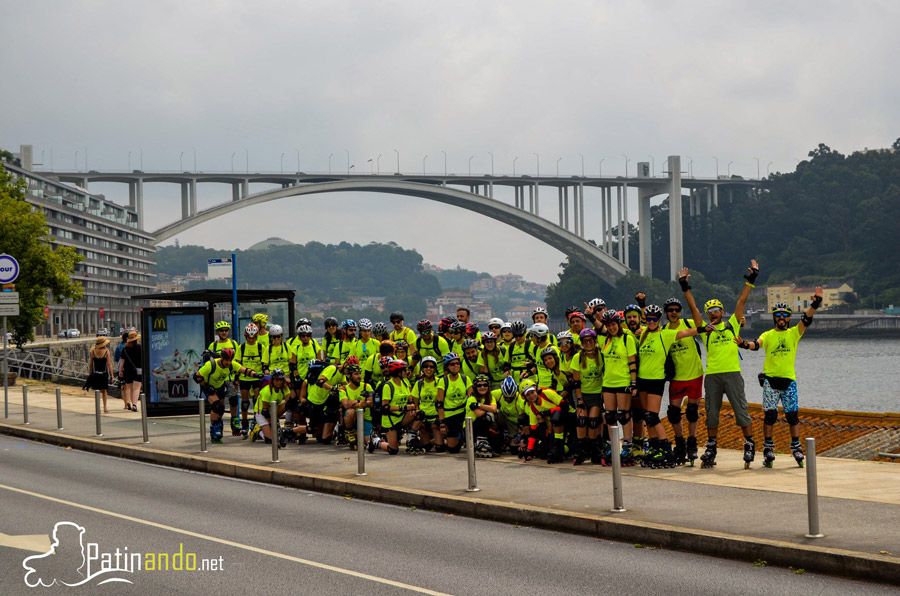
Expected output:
(590, 256)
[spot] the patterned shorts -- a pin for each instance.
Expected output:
(788, 397)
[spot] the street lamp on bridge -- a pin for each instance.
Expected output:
(330, 155)
(298, 160)
(444, 153)
(348, 160)
(378, 164)
(129, 161)
(581, 155)
(729, 168)
(471, 157)
(195, 160)
(398, 160)
(515, 159)
(626, 164)
(538, 158)
(76, 158)
(247, 159)
(492, 162)
(424, 160)
(602, 159)
(690, 166)
(233, 155)
(282, 162)
(558, 159)
(181, 161)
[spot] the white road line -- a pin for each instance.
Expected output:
(247, 547)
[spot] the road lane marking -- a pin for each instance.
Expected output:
(238, 545)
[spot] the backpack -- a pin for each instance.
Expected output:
(376, 401)
(315, 370)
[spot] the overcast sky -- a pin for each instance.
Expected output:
(734, 80)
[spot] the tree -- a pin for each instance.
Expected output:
(24, 234)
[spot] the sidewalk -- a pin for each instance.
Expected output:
(729, 511)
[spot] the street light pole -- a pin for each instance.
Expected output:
(330, 155)
(424, 159)
(492, 162)
(444, 153)
(515, 159)
(347, 151)
(129, 161)
(581, 155)
(626, 165)
(558, 159)
(378, 164)
(398, 160)
(282, 162)
(538, 158)
(470, 164)
(195, 160)
(247, 159)
(602, 159)
(768, 165)
(141, 150)
(298, 160)
(181, 162)
(729, 168)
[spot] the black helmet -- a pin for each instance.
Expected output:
(518, 328)
(331, 321)
(396, 316)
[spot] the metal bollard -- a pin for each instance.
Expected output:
(615, 439)
(470, 456)
(812, 490)
(59, 425)
(144, 428)
(202, 407)
(360, 442)
(97, 412)
(273, 426)
(25, 404)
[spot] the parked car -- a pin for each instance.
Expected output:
(102, 332)
(70, 333)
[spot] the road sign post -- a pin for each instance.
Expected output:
(9, 307)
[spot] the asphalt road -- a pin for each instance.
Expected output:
(272, 540)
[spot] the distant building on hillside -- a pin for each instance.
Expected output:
(797, 297)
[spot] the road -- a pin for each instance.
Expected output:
(278, 539)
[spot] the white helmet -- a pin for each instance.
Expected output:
(251, 330)
(595, 302)
(540, 310)
(540, 330)
(275, 330)
(304, 329)
(495, 321)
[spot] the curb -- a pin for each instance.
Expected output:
(833, 561)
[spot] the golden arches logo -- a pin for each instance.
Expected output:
(160, 324)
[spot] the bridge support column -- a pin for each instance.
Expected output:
(245, 188)
(624, 232)
(491, 190)
(235, 191)
(530, 198)
(537, 200)
(131, 195)
(645, 233)
(566, 205)
(139, 201)
(559, 192)
(193, 203)
(604, 210)
(715, 195)
(581, 210)
(676, 231)
(185, 201)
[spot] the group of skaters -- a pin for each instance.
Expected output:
(524, 390)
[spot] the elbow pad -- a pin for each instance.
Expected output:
(806, 320)
(320, 381)
(439, 405)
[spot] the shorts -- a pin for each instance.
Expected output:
(615, 390)
(320, 414)
(652, 386)
(261, 419)
(248, 385)
(788, 397)
(692, 389)
(455, 424)
(367, 428)
(130, 376)
(592, 400)
(730, 384)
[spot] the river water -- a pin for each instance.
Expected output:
(839, 374)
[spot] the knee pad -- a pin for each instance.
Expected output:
(793, 418)
(623, 416)
(610, 416)
(637, 415)
(218, 408)
(652, 419)
(771, 417)
(454, 449)
(692, 412)
(393, 450)
(673, 413)
(581, 421)
(594, 422)
(245, 405)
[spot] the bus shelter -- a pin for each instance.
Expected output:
(178, 327)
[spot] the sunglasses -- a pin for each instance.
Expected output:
(782, 315)
(715, 309)
(426, 366)
(493, 326)
(673, 310)
(331, 325)
(481, 385)
(304, 335)
(454, 364)
(652, 319)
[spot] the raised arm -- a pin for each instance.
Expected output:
(684, 277)
(815, 303)
(750, 276)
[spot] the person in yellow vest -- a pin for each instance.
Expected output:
(453, 390)
(261, 320)
(279, 391)
(215, 378)
(250, 356)
(277, 354)
(401, 332)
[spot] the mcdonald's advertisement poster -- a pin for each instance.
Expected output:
(174, 349)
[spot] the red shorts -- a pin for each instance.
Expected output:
(693, 390)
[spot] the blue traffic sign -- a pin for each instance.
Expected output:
(9, 269)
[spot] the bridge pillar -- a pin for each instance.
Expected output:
(566, 204)
(193, 204)
(235, 191)
(559, 192)
(139, 201)
(530, 198)
(185, 201)
(245, 188)
(715, 195)
(581, 210)
(645, 233)
(625, 233)
(604, 211)
(131, 195)
(676, 230)
(491, 189)
(537, 199)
